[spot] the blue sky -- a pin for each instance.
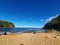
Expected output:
(29, 13)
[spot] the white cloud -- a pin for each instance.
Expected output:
(50, 18)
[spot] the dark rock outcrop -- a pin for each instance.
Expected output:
(53, 24)
(1, 25)
(5, 24)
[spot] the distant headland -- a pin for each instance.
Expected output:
(6, 24)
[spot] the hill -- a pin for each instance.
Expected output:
(6, 24)
(53, 24)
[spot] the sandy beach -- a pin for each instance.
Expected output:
(30, 39)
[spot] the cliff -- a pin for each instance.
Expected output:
(53, 24)
(6, 24)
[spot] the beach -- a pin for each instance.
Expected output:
(30, 39)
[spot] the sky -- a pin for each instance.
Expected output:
(29, 13)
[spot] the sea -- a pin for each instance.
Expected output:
(16, 30)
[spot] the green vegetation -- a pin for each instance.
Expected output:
(6, 24)
(53, 24)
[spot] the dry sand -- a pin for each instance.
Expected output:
(30, 39)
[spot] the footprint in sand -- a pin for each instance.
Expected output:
(21, 44)
(47, 36)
